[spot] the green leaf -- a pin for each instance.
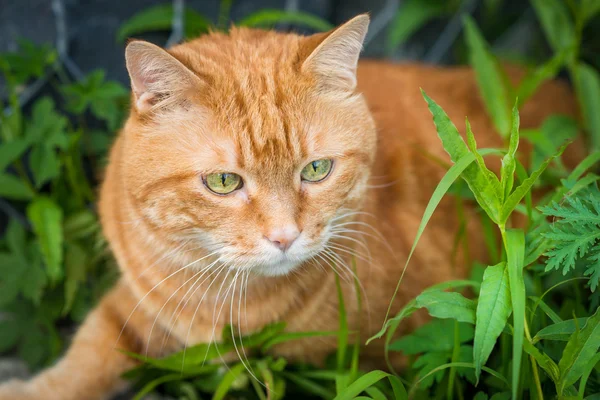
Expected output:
(587, 81)
(411, 16)
(589, 9)
(309, 386)
(44, 164)
(46, 218)
(478, 182)
(489, 78)
(9, 334)
(559, 331)
(557, 25)
(448, 305)
(515, 198)
(34, 277)
(536, 77)
(268, 18)
(12, 151)
(225, 385)
(13, 188)
(579, 351)
(76, 260)
(160, 18)
(515, 249)
(493, 310)
(361, 384)
(427, 338)
(509, 164)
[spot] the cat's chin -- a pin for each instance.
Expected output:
(276, 269)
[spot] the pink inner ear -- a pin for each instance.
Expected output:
(146, 101)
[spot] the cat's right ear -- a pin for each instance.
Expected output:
(158, 79)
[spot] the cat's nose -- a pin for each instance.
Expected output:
(283, 237)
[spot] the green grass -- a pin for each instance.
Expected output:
(530, 330)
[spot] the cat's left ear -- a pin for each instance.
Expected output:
(335, 56)
(158, 79)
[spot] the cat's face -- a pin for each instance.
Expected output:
(256, 158)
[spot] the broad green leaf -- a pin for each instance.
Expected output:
(509, 163)
(493, 310)
(556, 22)
(13, 188)
(44, 164)
(492, 179)
(12, 151)
(269, 18)
(411, 16)
(559, 331)
(589, 9)
(34, 278)
(515, 198)
(427, 338)
(160, 18)
(586, 374)
(515, 249)
(579, 351)
(588, 89)
(455, 146)
(448, 305)
(9, 334)
(536, 77)
(489, 78)
(46, 218)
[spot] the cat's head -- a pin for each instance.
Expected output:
(249, 144)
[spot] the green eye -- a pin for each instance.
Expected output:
(223, 183)
(316, 171)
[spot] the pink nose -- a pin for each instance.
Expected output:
(283, 237)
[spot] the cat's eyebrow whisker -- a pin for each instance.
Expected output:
(150, 291)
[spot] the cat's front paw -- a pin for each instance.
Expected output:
(15, 389)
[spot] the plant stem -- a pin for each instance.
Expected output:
(455, 355)
(536, 376)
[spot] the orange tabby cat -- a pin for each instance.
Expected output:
(252, 166)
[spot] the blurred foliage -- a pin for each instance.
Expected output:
(54, 264)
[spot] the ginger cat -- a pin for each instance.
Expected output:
(253, 161)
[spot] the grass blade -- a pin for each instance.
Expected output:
(588, 89)
(361, 384)
(442, 188)
(515, 249)
(557, 25)
(489, 78)
(269, 18)
(411, 16)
